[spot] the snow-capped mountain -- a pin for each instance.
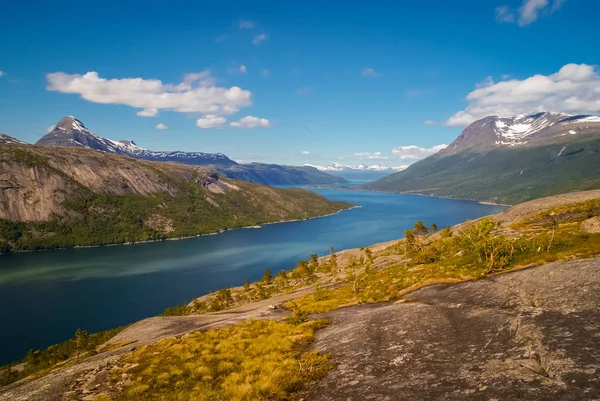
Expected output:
(360, 167)
(509, 160)
(515, 131)
(71, 132)
(9, 140)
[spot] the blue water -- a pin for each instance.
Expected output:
(46, 296)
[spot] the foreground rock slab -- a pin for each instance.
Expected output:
(529, 335)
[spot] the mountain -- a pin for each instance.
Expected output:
(275, 174)
(9, 140)
(71, 132)
(509, 160)
(50, 198)
(360, 172)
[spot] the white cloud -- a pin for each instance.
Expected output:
(210, 121)
(369, 72)
(161, 126)
(250, 122)
(196, 93)
(266, 73)
(430, 122)
(504, 14)
(377, 157)
(575, 88)
(50, 128)
(243, 69)
(305, 152)
(413, 152)
(221, 39)
(1, 73)
(244, 24)
(258, 39)
(529, 11)
(147, 113)
(400, 168)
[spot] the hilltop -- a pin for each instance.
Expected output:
(62, 197)
(508, 160)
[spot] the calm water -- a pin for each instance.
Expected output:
(46, 296)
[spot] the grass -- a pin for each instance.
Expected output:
(472, 254)
(254, 360)
(40, 362)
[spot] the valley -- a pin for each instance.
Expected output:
(516, 305)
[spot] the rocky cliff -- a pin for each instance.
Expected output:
(56, 196)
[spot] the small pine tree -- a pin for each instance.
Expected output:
(246, 284)
(420, 228)
(267, 277)
(433, 227)
(81, 341)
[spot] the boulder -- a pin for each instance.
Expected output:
(591, 225)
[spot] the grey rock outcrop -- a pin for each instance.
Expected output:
(532, 335)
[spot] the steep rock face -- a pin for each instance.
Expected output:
(35, 181)
(509, 160)
(31, 193)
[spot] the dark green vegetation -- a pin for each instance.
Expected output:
(507, 175)
(83, 197)
(254, 360)
(81, 345)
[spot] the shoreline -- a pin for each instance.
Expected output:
(256, 226)
(358, 188)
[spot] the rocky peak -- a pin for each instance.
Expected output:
(494, 131)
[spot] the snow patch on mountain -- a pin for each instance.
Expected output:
(515, 130)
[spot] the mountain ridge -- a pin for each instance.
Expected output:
(508, 160)
(50, 198)
(71, 132)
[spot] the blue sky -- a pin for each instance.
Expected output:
(344, 81)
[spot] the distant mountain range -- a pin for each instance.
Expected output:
(71, 132)
(358, 172)
(509, 160)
